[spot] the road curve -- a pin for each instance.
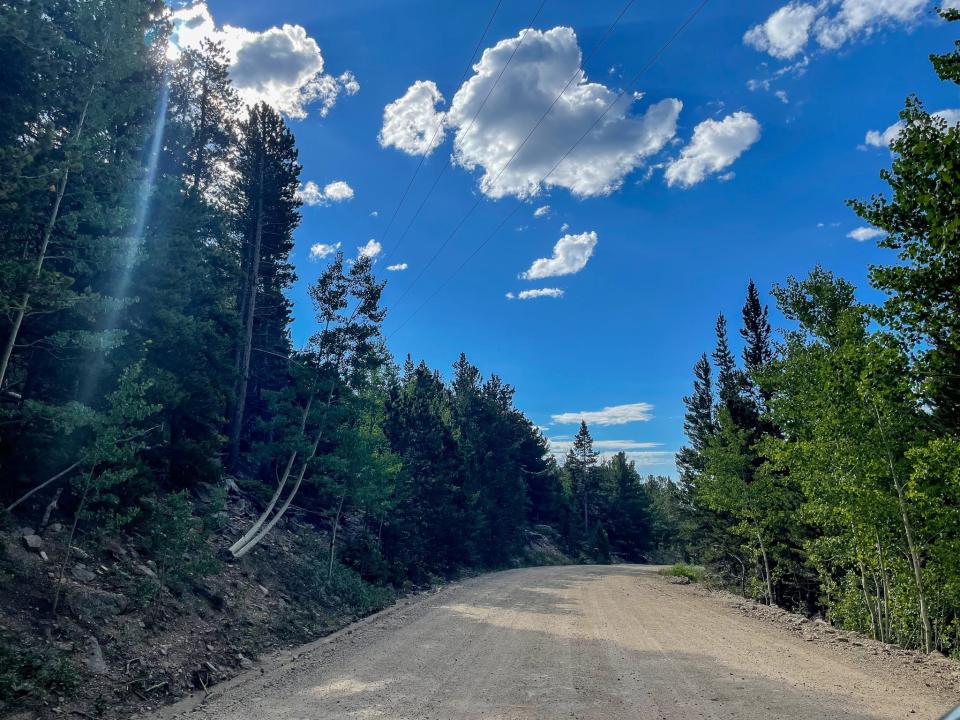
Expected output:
(598, 642)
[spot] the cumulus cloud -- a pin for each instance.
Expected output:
(540, 68)
(785, 32)
(538, 293)
(882, 139)
(399, 267)
(716, 144)
(541, 211)
(613, 415)
(371, 249)
(412, 123)
(318, 251)
(282, 66)
(861, 234)
(570, 255)
(337, 191)
(830, 23)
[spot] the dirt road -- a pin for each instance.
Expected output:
(572, 642)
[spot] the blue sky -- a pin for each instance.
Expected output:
(656, 221)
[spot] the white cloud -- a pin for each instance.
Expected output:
(882, 139)
(864, 17)
(537, 293)
(318, 251)
(338, 191)
(562, 443)
(538, 71)
(541, 211)
(785, 32)
(399, 267)
(334, 192)
(782, 96)
(613, 415)
(716, 144)
(570, 255)
(831, 23)
(564, 227)
(412, 123)
(861, 234)
(371, 249)
(283, 66)
(375, 213)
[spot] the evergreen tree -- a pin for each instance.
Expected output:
(265, 207)
(580, 466)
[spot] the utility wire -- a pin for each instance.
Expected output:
(633, 81)
(516, 152)
(473, 120)
(423, 157)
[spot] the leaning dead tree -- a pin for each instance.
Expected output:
(338, 357)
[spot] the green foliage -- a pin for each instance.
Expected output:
(29, 675)
(176, 539)
(693, 573)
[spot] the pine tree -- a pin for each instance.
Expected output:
(265, 207)
(756, 332)
(581, 463)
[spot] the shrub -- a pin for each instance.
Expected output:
(693, 573)
(29, 675)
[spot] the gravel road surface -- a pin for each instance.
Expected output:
(571, 642)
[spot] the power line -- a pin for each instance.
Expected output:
(633, 81)
(516, 152)
(469, 126)
(423, 157)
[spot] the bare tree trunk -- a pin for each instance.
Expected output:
(11, 340)
(42, 485)
(73, 532)
(262, 533)
(863, 582)
(766, 569)
(333, 535)
(911, 545)
(243, 380)
(280, 485)
(51, 506)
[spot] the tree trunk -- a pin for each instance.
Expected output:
(262, 533)
(280, 485)
(73, 532)
(333, 535)
(766, 569)
(11, 340)
(253, 279)
(911, 545)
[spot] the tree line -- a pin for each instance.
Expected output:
(822, 470)
(146, 226)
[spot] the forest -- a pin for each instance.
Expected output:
(146, 230)
(146, 362)
(822, 471)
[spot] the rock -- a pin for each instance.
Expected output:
(33, 542)
(263, 590)
(145, 570)
(82, 573)
(680, 580)
(232, 485)
(43, 556)
(93, 657)
(245, 663)
(55, 528)
(93, 604)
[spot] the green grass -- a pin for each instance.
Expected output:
(694, 573)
